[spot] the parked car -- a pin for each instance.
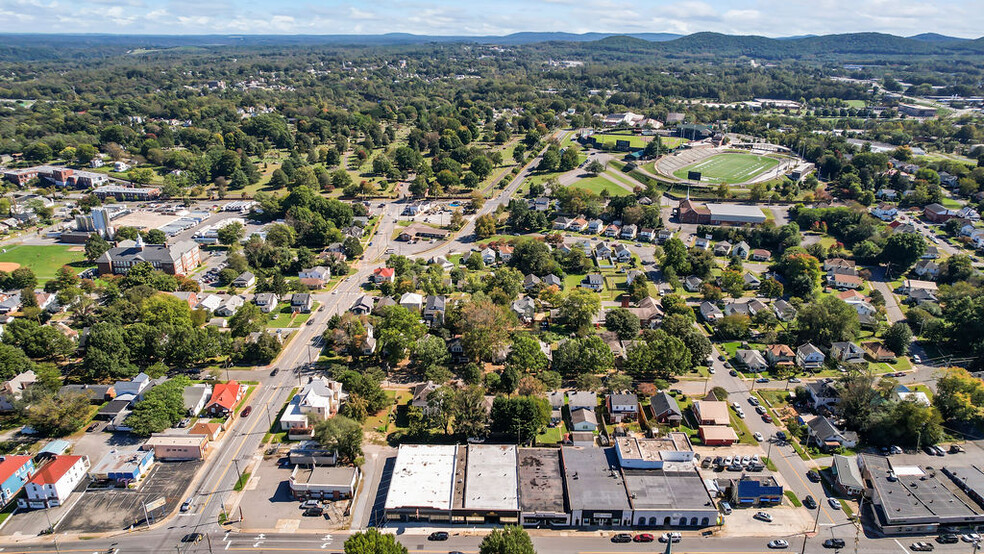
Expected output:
(725, 508)
(948, 538)
(643, 537)
(753, 401)
(763, 516)
(760, 410)
(438, 536)
(794, 380)
(186, 505)
(310, 504)
(733, 373)
(314, 512)
(921, 547)
(92, 427)
(762, 380)
(971, 537)
(758, 436)
(834, 543)
(246, 411)
(781, 435)
(622, 537)
(670, 537)
(956, 448)
(809, 502)
(834, 503)
(767, 418)
(778, 543)
(813, 475)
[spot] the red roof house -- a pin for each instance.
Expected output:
(382, 274)
(55, 481)
(224, 398)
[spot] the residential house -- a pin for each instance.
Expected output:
(584, 420)
(210, 303)
(561, 223)
(457, 351)
(133, 389)
(823, 433)
(845, 282)
(752, 282)
(53, 482)
(647, 234)
(15, 471)
(717, 435)
(224, 398)
(847, 475)
(663, 409)
(629, 232)
(748, 307)
(664, 235)
(593, 281)
(918, 290)
(784, 310)
(751, 360)
(649, 311)
(809, 357)
(840, 265)
(847, 352)
(553, 281)
(525, 308)
(877, 351)
(505, 253)
(245, 280)
(722, 248)
(622, 407)
(887, 194)
(441, 262)
(97, 394)
(383, 275)
(779, 355)
(931, 253)
(621, 253)
(230, 306)
(531, 282)
(601, 251)
(421, 395)
(266, 301)
(902, 393)
(611, 231)
(315, 277)
(434, 309)
(927, 269)
(301, 302)
(412, 301)
(488, 256)
(363, 305)
(556, 399)
(760, 255)
(319, 399)
(702, 243)
(692, 283)
(822, 394)
(968, 213)
(632, 275)
(188, 296)
(595, 226)
(742, 250)
(885, 212)
(578, 225)
(710, 312)
(195, 397)
(13, 389)
(581, 399)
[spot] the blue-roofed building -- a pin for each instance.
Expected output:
(56, 447)
(752, 491)
(124, 465)
(14, 473)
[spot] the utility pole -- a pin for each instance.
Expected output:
(239, 476)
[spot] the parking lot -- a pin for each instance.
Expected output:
(267, 503)
(114, 509)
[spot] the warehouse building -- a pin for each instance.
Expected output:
(486, 488)
(735, 214)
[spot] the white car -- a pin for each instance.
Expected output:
(971, 537)
(763, 516)
(758, 436)
(834, 503)
(916, 358)
(778, 543)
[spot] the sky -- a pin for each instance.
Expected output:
(774, 18)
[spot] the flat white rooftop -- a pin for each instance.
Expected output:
(490, 479)
(735, 210)
(423, 477)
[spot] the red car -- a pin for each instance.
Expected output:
(767, 418)
(643, 537)
(247, 410)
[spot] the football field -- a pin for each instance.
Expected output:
(729, 167)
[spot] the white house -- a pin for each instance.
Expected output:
(629, 232)
(319, 399)
(809, 357)
(847, 352)
(752, 360)
(622, 406)
(54, 481)
(230, 306)
(412, 301)
(885, 212)
(488, 256)
(134, 387)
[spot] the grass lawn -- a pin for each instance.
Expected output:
(744, 435)
(729, 167)
(45, 261)
(241, 482)
(599, 184)
(791, 496)
(551, 435)
(635, 141)
(284, 317)
(951, 203)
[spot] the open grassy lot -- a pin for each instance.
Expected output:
(635, 141)
(599, 184)
(729, 167)
(44, 261)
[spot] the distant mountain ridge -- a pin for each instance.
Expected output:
(26, 47)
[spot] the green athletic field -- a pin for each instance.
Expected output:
(729, 167)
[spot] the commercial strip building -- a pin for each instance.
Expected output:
(320, 482)
(639, 482)
(911, 497)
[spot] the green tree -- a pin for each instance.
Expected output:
(371, 541)
(484, 329)
(801, 270)
(247, 319)
(341, 434)
(509, 540)
(95, 246)
(579, 308)
(827, 320)
(960, 396)
(579, 356)
(58, 415)
(430, 352)
(485, 226)
(520, 417)
(231, 233)
(399, 330)
(526, 355)
(658, 356)
(13, 361)
(622, 322)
